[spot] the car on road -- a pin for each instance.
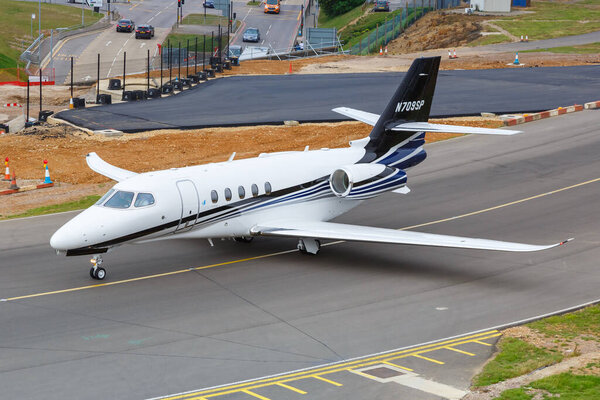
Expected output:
(235, 51)
(209, 4)
(125, 25)
(272, 6)
(144, 31)
(381, 5)
(251, 35)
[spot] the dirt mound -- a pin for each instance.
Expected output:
(436, 31)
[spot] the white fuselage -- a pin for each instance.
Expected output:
(185, 206)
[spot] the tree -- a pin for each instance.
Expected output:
(337, 7)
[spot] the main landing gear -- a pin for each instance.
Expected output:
(97, 272)
(309, 246)
(243, 239)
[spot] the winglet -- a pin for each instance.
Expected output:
(100, 166)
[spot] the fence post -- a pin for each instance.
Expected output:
(148, 75)
(124, 64)
(98, 82)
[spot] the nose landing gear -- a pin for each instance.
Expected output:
(97, 272)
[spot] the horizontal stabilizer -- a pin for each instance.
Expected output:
(371, 119)
(362, 116)
(100, 166)
(427, 127)
(334, 231)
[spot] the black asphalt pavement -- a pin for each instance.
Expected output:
(153, 332)
(252, 100)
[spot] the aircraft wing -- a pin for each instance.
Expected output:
(371, 119)
(335, 231)
(103, 168)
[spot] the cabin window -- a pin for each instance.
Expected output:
(143, 200)
(227, 194)
(214, 196)
(241, 192)
(106, 196)
(254, 190)
(267, 188)
(120, 200)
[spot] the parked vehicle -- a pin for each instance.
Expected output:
(381, 5)
(272, 6)
(209, 4)
(125, 25)
(251, 35)
(144, 31)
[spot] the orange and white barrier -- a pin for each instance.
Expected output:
(521, 119)
(6, 171)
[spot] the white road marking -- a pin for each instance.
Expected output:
(142, 45)
(248, 13)
(109, 42)
(263, 42)
(269, 30)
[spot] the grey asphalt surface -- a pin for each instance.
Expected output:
(248, 100)
(238, 321)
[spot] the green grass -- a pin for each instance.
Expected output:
(592, 48)
(70, 206)
(489, 39)
(515, 358)
(340, 21)
(565, 386)
(552, 19)
(367, 24)
(253, 3)
(583, 322)
(176, 38)
(15, 19)
(211, 19)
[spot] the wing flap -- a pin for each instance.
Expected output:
(335, 231)
(100, 166)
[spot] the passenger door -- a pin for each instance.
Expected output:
(189, 204)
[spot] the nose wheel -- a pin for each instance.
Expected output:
(97, 272)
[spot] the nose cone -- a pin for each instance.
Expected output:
(65, 239)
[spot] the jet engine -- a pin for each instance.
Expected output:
(363, 181)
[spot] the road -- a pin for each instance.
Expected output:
(278, 31)
(260, 309)
(248, 100)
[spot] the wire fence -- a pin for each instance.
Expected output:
(393, 27)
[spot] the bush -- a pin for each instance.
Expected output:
(338, 7)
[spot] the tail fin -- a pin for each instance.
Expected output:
(410, 103)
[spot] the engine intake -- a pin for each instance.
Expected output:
(363, 181)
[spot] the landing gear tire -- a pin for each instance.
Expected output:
(243, 239)
(97, 272)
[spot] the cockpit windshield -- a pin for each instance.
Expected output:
(144, 199)
(120, 200)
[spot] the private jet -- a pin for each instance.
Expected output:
(284, 194)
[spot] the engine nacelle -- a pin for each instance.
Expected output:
(362, 181)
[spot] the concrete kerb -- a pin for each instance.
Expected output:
(511, 120)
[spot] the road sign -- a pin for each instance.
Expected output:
(94, 3)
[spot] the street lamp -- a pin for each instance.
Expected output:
(31, 25)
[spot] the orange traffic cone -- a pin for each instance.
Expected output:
(526, 38)
(522, 40)
(71, 106)
(290, 67)
(380, 50)
(13, 183)
(450, 54)
(7, 171)
(386, 50)
(454, 56)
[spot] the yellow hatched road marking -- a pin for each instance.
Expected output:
(480, 342)
(258, 396)
(326, 380)
(459, 351)
(283, 385)
(428, 359)
(365, 362)
(398, 366)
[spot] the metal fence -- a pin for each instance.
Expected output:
(393, 27)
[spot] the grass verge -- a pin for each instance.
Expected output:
(566, 386)
(554, 19)
(56, 208)
(175, 39)
(340, 21)
(592, 48)
(211, 19)
(16, 27)
(516, 358)
(253, 3)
